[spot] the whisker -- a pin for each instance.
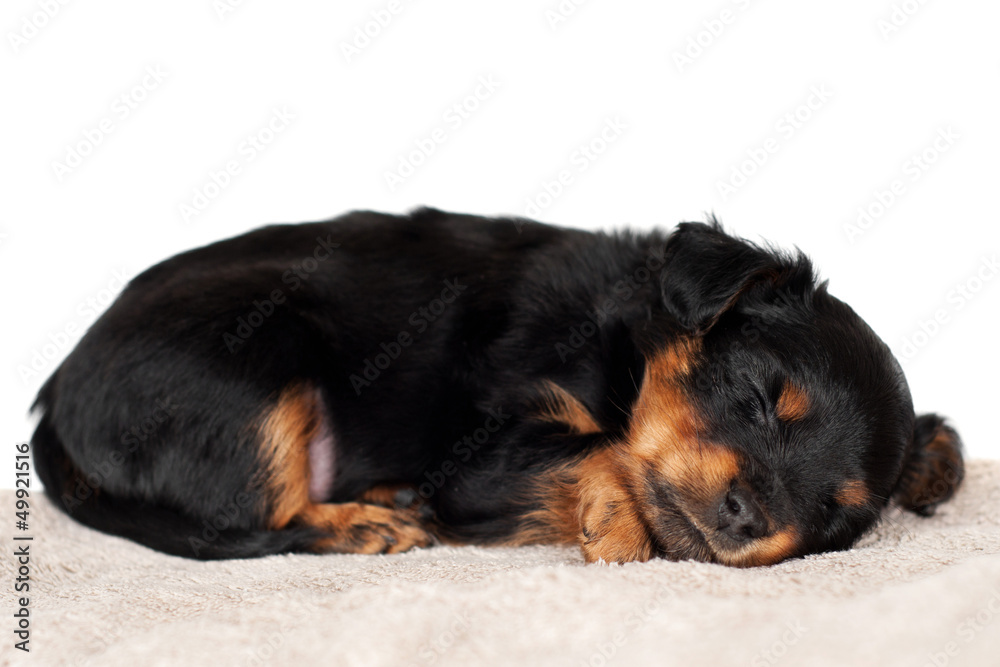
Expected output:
(888, 518)
(632, 377)
(612, 402)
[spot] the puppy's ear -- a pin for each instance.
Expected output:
(933, 469)
(705, 272)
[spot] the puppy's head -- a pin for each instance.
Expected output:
(771, 422)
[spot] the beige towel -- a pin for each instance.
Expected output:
(915, 592)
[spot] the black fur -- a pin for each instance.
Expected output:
(146, 428)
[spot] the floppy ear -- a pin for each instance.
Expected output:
(933, 469)
(705, 272)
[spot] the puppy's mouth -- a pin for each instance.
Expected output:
(675, 533)
(681, 533)
(678, 538)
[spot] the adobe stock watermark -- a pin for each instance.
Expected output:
(622, 291)
(420, 320)
(462, 451)
(752, 330)
(957, 298)
(899, 15)
(640, 615)
(454, 117)
(707, 35)
(163, 410)
(786, 127)
(429, 653)
(31, 25)
(247, 151)
(561, 12)
(228, 515)
(949, 480)
(121, 108)
(263, 649)
(118, 628)
(293, 278)
(223, 8)
(365, 34)
(579, 161)
(41, 359)
(911, 171)
(967, 631)
(773, 654)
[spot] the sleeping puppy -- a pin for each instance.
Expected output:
(374, 383)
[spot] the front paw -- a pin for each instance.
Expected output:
(614, 533)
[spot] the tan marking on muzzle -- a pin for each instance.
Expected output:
(763, 551)
(664, 431)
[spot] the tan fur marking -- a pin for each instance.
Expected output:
(793, 404)
(933, 474)
(853, 493)
(364, 529)
(556, 519)
(287, 430)
(663, 433)
(611, 527)
(564, 408)
(388, 495)
(662, 418)
(592, 501)
(586, 503)
(589, 501)
(764, 551)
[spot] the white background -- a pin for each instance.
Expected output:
(698, 91)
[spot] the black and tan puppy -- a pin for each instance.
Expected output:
(377, 382)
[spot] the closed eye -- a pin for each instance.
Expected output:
(763, 406)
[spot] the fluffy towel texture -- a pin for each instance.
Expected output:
(912, 592)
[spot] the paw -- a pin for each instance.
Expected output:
(634, 548)
(401, 497)
(370, 529)
(615, 534)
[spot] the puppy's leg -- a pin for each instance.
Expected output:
(611, 527)
(363, 529)
(587, 502)
(288, 430)
(396, 496)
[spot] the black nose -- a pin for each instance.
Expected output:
(740, 517)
